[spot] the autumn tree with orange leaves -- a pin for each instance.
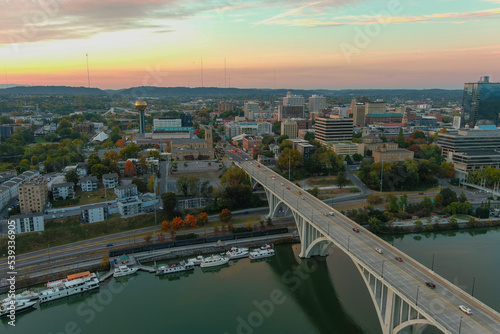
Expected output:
(190, 221)
(165, 225)
(120, 142)
(225, 215)
(177, 223)
(129, 168)
(202, 218)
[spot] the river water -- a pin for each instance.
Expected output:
(280, 295)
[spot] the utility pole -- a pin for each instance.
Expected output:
(289, 165)
(381, 177)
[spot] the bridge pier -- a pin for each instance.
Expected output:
(313, 242)
(396, 313)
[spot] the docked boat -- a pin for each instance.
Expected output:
(124, 271)
(27, 294)
(17, 306)
(196, 260)
(237, 253)
(175, 267)
(71, 285)
(213, 261)
(261, 253)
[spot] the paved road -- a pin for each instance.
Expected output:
(440, 304)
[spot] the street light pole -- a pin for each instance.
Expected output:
(416, 299)
(460, 325)
(383, 261)
(348, 239)
(432, 267)
(381, 176)
(473, 283)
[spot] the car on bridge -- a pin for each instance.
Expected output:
(465, 309)
(331, 213)
(299, 192)
(430, 285)
(399, 259)
(109, 245)
(355, 229)
(379, 250)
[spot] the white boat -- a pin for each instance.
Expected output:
(72, 285)
(124, 271)
(261, 253)
(237, 253)
(27, 294)
(196, 260)
(213, 261)
(15, 306)
(175, 267)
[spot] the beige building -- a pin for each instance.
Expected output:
(348, 148)
(33, 196)
(358, 113)
(378, 146)
(289, 128)
(375, 108)
(386, 155)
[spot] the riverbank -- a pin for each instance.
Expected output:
(95, 262)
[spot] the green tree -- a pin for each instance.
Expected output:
(448, 196)
(281, 139)
(314, 191)
(93, 160)
(290, 156)
(130, 152)
(342, 180)
(169, 202)
(99, 170)
(268, 139)
(234, 176)
(71, 176)
(357, 157)
(141, 185)
(462, 198)
(401, 139)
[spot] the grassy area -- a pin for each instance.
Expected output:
(335, 192)
(86, 197)
(323, 181)
(89, 197)
(346, 207)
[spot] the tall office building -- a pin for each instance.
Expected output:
(293, 100)
(316, 103)
(375, 107)
(286, 111)
(166, 123)
(249, 108)
(481, 103)
(33, 196)
(358, 112)
(333, 129)
(289, 128)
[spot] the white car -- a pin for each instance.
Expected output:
(379, 250)
(332, 213)
(465, 309)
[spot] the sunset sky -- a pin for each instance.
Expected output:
(266, 44)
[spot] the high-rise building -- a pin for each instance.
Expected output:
(249, 108)
(293, 100)
(481, 103)
(316, 103)
(33, 196)
(375, 107)
(289, 128)
(358, 112)
(333, 129)
(165, 123)
(285, 112)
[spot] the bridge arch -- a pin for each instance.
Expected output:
(318, 247)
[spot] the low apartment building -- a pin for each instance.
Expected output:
(29, 222)
(89, 183)
(63, 191)
(110, 180)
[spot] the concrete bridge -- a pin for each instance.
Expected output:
(403, 301)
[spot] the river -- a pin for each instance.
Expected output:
(280, 295)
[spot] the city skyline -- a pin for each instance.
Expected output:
(284, 44)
